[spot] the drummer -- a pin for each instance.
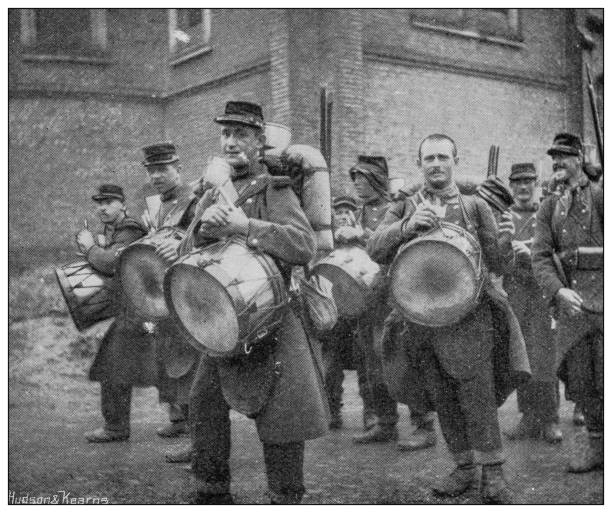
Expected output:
(456, 360)
(175, 209)
(338, 344)
(119, 363)
(277, 384)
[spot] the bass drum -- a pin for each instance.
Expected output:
(141, 274)
(90, 295)
(227, 296)
(352, 274)
(436, 279)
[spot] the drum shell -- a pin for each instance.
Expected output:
(98, 298)
(148, 304)
(222, 265)
(353, 275)
(440, 248)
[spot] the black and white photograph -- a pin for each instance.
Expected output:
(317, 256)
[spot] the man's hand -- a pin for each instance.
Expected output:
(220, 220)
(521, 249)
(167, 249)
(424, 218)
(85, 240)
(570, 301)
(348, 233)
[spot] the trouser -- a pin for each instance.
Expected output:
(211, 438)
(178, 412)
(115, 400)
(385, 407)
(539, 401)
(585, 378)
(466, 409)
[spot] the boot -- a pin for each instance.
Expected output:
(552, 433)
(422, 437)
(587, 452)
(379, 433)
(578, 416)
(526, 428)
(336, 420)
(458, 481)
(369, 419)
(212, 498)
(173, 429)
(103, 435)
(494, 489)
(181, 455)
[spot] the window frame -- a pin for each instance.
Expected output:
(514, 23)
(191, 50)
(96, 54)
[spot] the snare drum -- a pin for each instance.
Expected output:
(90, 296)
(227, 296)
(436, 279)
(352, 274)
(141, 274)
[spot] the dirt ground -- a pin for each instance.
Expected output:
(52, 403)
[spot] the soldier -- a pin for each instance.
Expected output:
(126, 356)
(294, 409)
(176, 209)
(567, 259)
(456, 360)
(538, 399)
(338, 344)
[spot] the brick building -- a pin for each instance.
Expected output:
(89, 87)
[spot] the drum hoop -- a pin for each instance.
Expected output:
(360, 284)
(62, 280)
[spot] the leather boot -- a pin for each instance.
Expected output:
(103, 435)
(336, 420)
(173, 429)
(494, 488)
(526, 428)
(464, 476)
(422, 437)
(551, 432)
(578, 416)
(379, 433)
(212, 498)
(181, 455)
(587, 452)
(369, 419)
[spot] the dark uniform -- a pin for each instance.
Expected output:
(176, 209)
(339, 353)
(277, 384)
(565, 223)
(538, 399)
(456, 360)
(126, 356)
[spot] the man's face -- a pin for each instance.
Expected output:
(164, 176)
(342, 216)
(437, 162)
(523, 189)
(109, 210)
(566, 167)
(241, 144)
(364, 190)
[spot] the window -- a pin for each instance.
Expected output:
(189, 33)
(494, 24)
(64, 32)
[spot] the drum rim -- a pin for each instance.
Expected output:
(62, 280)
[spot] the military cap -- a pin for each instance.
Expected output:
(109, 191)
(370, 163)
(566, 143)
(524, 170)
(245, 113)
(159, 153)
(495, 193)
(348, 201)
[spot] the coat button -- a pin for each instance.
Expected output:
(564, 230)
(574, 282)
(584, 210)
(254, 242)
(254, 182)
(249, 201)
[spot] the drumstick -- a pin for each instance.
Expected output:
(86, 224)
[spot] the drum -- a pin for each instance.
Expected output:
(141, 274)
(436, 278)
(352, 274)
(226, 296)
(90, 296)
